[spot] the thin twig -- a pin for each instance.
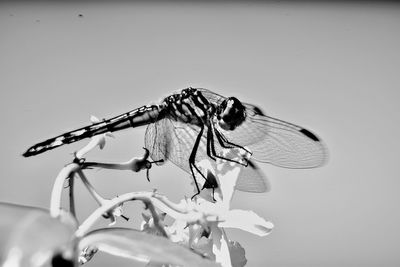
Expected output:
(56, 193)
(109, 205)
(71, 195)
(99, 199)
(156, 218)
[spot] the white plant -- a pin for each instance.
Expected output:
(196, 236)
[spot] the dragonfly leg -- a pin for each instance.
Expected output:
(222, 140)
(244, 161)
(210, 148)
(192, 160)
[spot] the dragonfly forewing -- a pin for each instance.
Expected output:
(173, 140)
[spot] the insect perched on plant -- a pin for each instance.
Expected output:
(197, 124)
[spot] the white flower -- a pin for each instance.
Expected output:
(227, 174)
(214, 216)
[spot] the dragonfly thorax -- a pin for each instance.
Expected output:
(231, 113)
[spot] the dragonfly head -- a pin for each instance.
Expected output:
(231, 113)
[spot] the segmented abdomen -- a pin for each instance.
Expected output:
(137, 117)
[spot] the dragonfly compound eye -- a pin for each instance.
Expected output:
(231, 113)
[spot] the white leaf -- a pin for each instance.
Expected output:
(143, 247)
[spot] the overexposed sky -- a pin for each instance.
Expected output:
(333, 68)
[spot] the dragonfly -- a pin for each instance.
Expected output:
(196, 124)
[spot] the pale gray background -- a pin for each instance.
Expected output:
(331, 67)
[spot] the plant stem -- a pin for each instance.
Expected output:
(146, 197)
(56, 193)
(99, 199)
(71, 196)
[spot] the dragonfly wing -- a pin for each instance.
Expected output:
(289, 149)
(284, 144)
(155, 143)
(172, 140)
(245, 134)
(252, 179)
(272, 140)
(211, 96)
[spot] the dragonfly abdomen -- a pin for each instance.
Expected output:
(135, 118)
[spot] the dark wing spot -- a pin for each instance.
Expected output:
(258, 111)
(309, 135)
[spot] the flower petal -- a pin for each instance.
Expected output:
(238, 255)
(227, 177)
(247, 221)
(220, 246)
